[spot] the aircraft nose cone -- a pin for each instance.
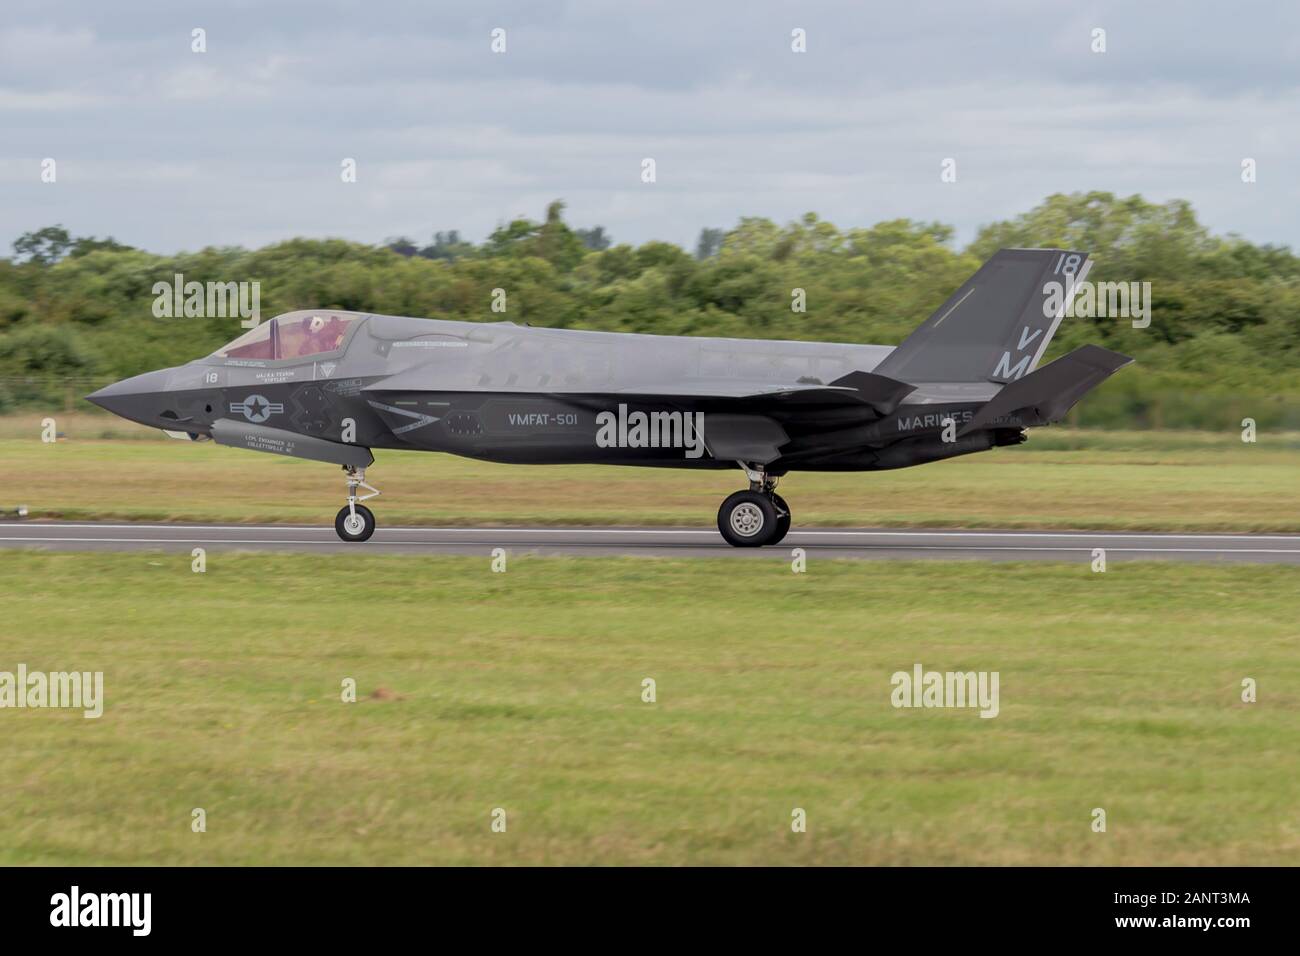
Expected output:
(138, 399)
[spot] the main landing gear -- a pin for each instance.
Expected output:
(356, 522)
(747, 519)
(753, 518)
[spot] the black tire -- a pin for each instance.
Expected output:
(349, 533)
(782, 519)
(747, 519)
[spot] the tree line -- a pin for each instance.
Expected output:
(1222, 343)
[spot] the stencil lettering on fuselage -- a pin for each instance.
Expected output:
(521, 418)
(911, 423)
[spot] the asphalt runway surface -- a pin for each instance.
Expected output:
(867, 543)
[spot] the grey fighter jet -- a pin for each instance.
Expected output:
(331, 386)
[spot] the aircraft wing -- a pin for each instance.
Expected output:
(856, 388)
(719, 388)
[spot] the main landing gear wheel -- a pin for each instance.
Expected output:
(759, 516)
(355, 523)
(748, 519)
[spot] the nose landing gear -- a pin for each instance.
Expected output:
(753, 518)
(356, 522)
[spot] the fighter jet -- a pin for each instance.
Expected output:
(331, 386)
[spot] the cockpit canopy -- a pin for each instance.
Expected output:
(292, 335)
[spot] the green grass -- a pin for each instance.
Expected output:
(522, 691)
(1060, 479)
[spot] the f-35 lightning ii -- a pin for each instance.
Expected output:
(331, 386)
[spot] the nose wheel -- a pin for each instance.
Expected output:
(757, 517)
(356, 522)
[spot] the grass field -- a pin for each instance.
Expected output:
(1059, 479)
(523, 691)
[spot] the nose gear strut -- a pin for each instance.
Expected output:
(356, 522)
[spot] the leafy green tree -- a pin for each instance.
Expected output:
(402, 246)
(447, 245)
(1224, 333)
(44, 246)
(710, 243)
(595, 238)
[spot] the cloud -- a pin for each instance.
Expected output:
(169, 149)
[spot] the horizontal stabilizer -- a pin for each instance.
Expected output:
(1047, 394)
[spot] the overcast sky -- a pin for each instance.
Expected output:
(169, 149)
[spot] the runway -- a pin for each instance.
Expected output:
(861, 543)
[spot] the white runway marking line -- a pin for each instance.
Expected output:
(435, 544)
(1090, 535)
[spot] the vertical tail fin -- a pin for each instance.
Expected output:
(996, 327)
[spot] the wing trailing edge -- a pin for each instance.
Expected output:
(878, 391)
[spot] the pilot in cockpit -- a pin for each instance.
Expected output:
(322, 334)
